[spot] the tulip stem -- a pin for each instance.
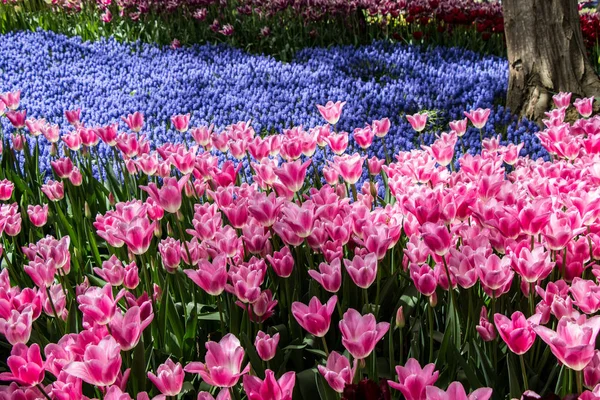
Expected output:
(54, 310)
(41, 389)
(385, 151)
(430, 314)
(325, 346)
(531, 300)
(220, 307)
(524, 372)
(579, 382)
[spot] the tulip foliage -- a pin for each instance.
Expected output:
(431, 274)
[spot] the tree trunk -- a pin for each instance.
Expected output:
(546, 55)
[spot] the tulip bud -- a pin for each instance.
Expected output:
(158, 231)
(86, 210)
(111, 199)
(53, 150)
(433, 300)
(400, 321)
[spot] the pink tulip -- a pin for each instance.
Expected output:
(41, 272)
(17, 327)
(374, 165)
(418, 121)
(73, 116)
(25, 364)
(485, 328)
(270, 388)
(424, 279)
(478, 117)
(338, 372)
(331, 111)
(169, 378)
(127, 328)
(584, 106)
(574, 340)
(292, 174)
(210, 276)
(562, 99)
(223, 366)
(329, 275)
(112, 271)
(261, 309)
(89, 137)
(246, 279)
(38, 215)
(316, 317)
(591, 372)
(17, 118)
(76, 178)
(516, 332)
(593, 395)
(101, 363)
(181, 122)
(6, 189)
(349, 167)
(54, 190)
(534, 265)
(170, 253)
(169, 195)
(134, 121)
(63, 167)
(108, 134)
(412, 379)
(436, 237)
(360, 334)
(586, 294)
(224, 394)
(364, 137)
(496, 272)
(381, 127)
(338, 142)
(363, 271)
(11, 99)
(460, 127)
(456, 391)
(266, 345)
(18, 142)
(132, 278)
(98, 304)
(559, 230)
(282, 262)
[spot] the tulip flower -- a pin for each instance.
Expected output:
(349, 167)
(169, 195)
(170, 253)
(292, 174)
(316, 317)
(181, 122)
(418, 121)
(424, 279)
(412, 379)
(363, 271)
(532, 266)
(329, 275)
(11, 99)
(364, 137)
(337, 371)
(456, 391)
(210, 276)
(270, 388)
(98, 304)
(38, 215)
(495, 273)
(574, 340)
(586, 294)
(584, 106)
(562, 99)
(169, 378)
(360, 334)
(25, 365)
(134, 121)
(338, 142)
(591, 372)
(224, 394)
(436, 237)
(223, 365)
(6, 189)
(459, 126)
(485, 328)
(282, 262)
(516, 332)
(101, 363)
(266, 345)
(127, 328)
(381, 127)
(73, 116)
(17, 327)
(478, 117)
(17, 118)
(331, 111)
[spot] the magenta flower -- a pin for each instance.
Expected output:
(316, 317)
(270, 388)
(424, 278)
(181, 122)
(456, 391)
(25, 364)
(516, 332)
(418, 121)
(495, 273)
(11, 99)
(591, 372)
(6, 189)
(55, 191)
(98, 304)
(112, 271)
(459, 126)
(282, 262)
(170, 253)
(17, 327)
(586, 294)
(338, 372)
(329, 275)
(101, 363)
(574, 340)
(349, 167)
(360, 334)
(134, 121)
(169, 195)
(127, 328)
(38, 215)
(485, 328)
(436, 237)
(266, 345)
(562, 99)
(381, 127)
(584, 106)
(169, 378)
(363, 271)
(292, 174)
(223, 365)
(331, 111)
(210, 276)
(478, 117)
(412, 379)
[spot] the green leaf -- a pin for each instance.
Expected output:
(468, 370)
(325, 391)
(138, 368)
(488, 371)
(513, 380)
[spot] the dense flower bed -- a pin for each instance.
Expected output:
(188, 277)
(217, 84)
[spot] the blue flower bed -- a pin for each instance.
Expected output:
(222, 85)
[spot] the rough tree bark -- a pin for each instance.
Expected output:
(546, 55)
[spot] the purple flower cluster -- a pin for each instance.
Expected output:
(219, 84)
